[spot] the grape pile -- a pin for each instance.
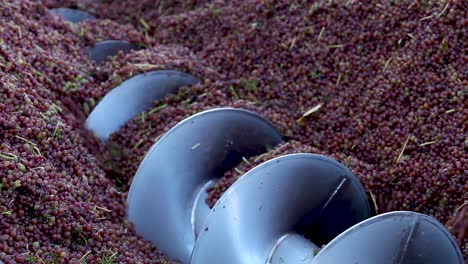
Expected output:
(379, 85)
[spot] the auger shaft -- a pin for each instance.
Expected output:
(289, 248)
(292, 248)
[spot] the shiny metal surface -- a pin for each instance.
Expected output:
(292, 248)
(132, 97)
(102, 51)
(197, 150)
(71, 15)
(393, 238)
(200, 208)
(302, 193)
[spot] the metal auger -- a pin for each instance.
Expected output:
(298, 208)
(282, 211)
(71, 15)
(395, 237)
(101, 51)
(261, 217)
(166, 201)
(132, 97)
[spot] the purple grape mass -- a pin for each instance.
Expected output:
(378, 85)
